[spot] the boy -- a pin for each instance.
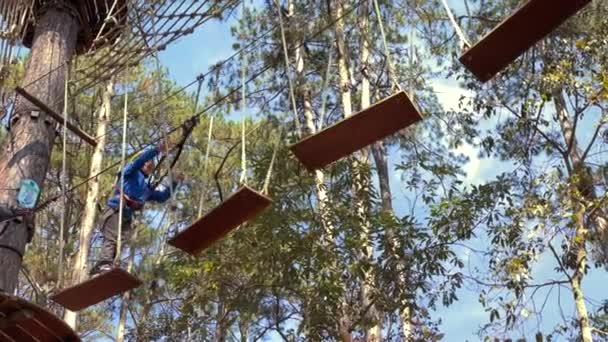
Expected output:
(137, 191)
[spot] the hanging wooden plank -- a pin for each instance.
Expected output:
(375, 123)
(97, 289)
(59, 118)
(239, 208)
(24, 321)
(531, 22)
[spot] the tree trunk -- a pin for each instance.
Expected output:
(380, 159)
(90, 210)
(220, 328)
(581, 235)
(310, 129)
(374, 332)
(244, 329)
(360, 165)
(26, 153)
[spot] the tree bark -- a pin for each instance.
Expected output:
(380, 159)
(244, 329)
(90, 210)
(310, 128)
(374, 332)
(586, 183)
(220, 328)
(360, 165)
(581, 234)
(26, 153)
(580, 238)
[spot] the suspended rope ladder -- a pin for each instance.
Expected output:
(371, 124)
(116, 281)
(244, 205)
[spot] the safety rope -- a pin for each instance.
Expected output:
(187, 129)
(63, 178)
(122, 177)
(387, 53)
(325, 87)
(105, 22)
(271, 164)
(461, 35)
(287, 68)
(243, 178)
(205, 163)
(204, 110)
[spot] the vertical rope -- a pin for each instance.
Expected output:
(122, 175)
(63, 178)
(270, 166)
(325, 86)
(243, 179)
(457, 28)
(106, 20)
(391, 69)
(286, 55)
(200, 203)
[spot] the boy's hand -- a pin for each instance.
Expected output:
(165, 146)
(162, 147)
(179, 176)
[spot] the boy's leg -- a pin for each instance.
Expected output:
(109, 229)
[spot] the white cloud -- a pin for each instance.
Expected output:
(449, 95)
(472, 167)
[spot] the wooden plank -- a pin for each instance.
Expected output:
(531, 22)
(17, 333)
(239, 208)
(5, 338)
(59, 118)
(32, 320)
(96, 289)
(375, 123)
(48, 321)
(37, 331)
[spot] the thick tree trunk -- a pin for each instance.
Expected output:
(310, 128)
(374, 332)
(346, 101)
(380, 159)
(361, 164)
(25, 154)
(90, 210)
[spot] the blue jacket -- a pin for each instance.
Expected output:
(136, 186)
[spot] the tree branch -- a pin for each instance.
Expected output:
(559, 261)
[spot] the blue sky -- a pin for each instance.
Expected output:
(213, 42)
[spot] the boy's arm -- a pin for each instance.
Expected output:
(163, 195)
(148, 154)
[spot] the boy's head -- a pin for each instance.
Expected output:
(148, 167)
